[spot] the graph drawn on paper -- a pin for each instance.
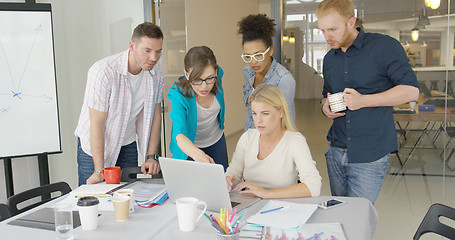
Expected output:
(29, 122)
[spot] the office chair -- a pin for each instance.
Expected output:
(5, 213)
(41, 191)
(450, 132)
(129, 174)
(431, 223)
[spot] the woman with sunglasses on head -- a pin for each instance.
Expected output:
(197, 114)
(257, 31)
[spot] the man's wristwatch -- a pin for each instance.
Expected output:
(152, 156)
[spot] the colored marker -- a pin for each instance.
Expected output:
(274, 209)
(233, 214)
(315, 236)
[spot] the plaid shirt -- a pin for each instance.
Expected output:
(108, 90)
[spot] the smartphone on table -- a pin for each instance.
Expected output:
(330, 203)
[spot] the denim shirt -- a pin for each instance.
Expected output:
(374, 63)
(277, 75)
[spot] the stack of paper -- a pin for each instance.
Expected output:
(94, 189)
(280, 214)
(147, 194)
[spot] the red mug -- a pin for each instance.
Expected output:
(112, 175)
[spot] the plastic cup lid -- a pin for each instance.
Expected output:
(87, 201)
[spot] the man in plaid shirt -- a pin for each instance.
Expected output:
(121, 103)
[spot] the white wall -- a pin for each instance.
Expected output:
(84, 32)
(217, 28)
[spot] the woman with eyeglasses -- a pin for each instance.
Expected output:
(257, 32)
(197, 114)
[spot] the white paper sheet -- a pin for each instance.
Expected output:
(292, 215)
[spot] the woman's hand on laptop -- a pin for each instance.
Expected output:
(230, 182)
(251, 189)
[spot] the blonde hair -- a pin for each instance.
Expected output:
(343, 7)
(273, 96)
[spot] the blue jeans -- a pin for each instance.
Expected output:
(218, 152)
(127, 158)
(355, 179)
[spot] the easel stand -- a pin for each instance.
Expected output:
(43, 168)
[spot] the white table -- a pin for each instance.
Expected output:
(357, 215)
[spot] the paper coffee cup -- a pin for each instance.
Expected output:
(130, 193)
(121, 207)
(336, 102)
(88, 212)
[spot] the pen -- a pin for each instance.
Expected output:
(207, 216)
(221, 225)
(236, 228)
(274, 209)
(315, 236)
(233, 214)
(218, 228)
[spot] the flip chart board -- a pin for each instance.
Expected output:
(29, 120)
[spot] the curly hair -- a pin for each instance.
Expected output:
(257, 27)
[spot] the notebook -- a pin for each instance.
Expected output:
(315, 231)
(204, 181)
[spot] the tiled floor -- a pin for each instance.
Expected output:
(404, 199)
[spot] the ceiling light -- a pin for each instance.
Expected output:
(433, 4)
(285, 36)
(292, 38)
(415, 34)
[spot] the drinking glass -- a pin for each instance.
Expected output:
(63, 221)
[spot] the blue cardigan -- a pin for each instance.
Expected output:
(184, 115)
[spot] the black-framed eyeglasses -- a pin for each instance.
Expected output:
(209, 80)
(258, 56)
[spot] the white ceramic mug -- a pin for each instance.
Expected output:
(336, 102)
(187, 212)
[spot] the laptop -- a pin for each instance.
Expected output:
(204, 181)
(427, 92)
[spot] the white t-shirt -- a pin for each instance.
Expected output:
(290, 161)
(208, 130)
(137, 88)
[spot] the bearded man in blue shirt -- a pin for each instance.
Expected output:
(373, 72)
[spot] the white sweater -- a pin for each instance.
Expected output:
(290, 161)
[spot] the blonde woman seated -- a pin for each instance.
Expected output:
(271, 158)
